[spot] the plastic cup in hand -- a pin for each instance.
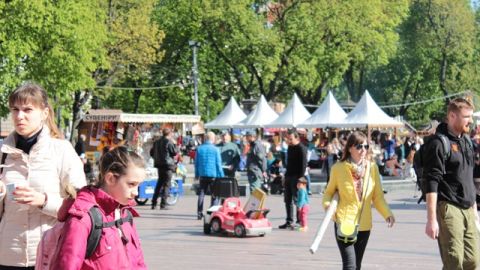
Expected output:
(10, 189)
(13, 187)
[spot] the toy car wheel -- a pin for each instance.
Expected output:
(206, 228)
(239, 230)
(215, 225)
(141, 201)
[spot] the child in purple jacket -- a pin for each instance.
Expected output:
(121, 171)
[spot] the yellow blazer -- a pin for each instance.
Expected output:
(341, 180)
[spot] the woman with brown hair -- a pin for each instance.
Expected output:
(357, 181)
(36, 165)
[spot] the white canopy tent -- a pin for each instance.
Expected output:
(231, 114)
(261, 115)
(328, 114)
(367, 114)
(292, 116)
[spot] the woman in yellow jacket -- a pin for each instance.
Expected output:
(357, 182)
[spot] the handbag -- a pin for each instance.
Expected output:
(347, 231)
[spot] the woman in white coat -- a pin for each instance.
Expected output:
(36, 164)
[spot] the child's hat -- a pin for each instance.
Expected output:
(302, 180)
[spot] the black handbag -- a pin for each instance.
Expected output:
(225, 187)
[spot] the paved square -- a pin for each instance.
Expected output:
(174, 239)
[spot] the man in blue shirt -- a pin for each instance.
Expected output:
(208, 166)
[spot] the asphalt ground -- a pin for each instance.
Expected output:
(174, 239)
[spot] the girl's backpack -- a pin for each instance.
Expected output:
(47, 247)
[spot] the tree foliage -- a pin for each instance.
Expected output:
(438, 55)
(131, 47)
(401, 50)
(57, 44)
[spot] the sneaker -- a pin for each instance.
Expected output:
(303, 229)
(153, 207)
(199, 216)
(285, 226)
(164, 208)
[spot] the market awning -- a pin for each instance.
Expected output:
(119, 116)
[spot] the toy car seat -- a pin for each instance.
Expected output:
(232, 204)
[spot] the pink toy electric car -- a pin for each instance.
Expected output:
(230, 217)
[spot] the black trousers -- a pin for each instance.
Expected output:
(205, 186)
(163, 187)
(290, 197)
(352, 253)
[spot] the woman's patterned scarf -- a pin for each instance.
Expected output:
(358, 172)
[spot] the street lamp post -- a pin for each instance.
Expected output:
(194, 45)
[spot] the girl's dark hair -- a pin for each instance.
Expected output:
(117, 161)
(355, 138)
(35, 94)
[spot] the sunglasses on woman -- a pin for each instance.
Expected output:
(360, 146)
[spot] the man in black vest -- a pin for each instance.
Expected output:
(163, 153)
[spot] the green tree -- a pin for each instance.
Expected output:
(428, 65)
(371, 28)
(57, 44)
(132, 46)
(276, 48)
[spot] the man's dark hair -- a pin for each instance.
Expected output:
(166, 132)
(293, 132)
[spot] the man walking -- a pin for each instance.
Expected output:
(208, 166)
(450, 191)
(256, 161)
(163, 153)
(296, 166)
(230, 154)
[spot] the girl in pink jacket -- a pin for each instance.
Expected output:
(121, 171)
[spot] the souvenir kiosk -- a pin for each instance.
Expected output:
(107, 128)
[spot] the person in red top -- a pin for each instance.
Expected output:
(121, 171)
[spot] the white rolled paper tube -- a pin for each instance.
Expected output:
(323, 226)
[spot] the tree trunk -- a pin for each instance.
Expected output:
(350, 83)
(136, 99)
(443, 76)
(78, 102)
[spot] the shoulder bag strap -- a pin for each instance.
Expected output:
(96, 231)
(4, 157)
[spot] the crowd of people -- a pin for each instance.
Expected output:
(43, 186)
(355, 165)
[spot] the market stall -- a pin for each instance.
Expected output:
(104, 128)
